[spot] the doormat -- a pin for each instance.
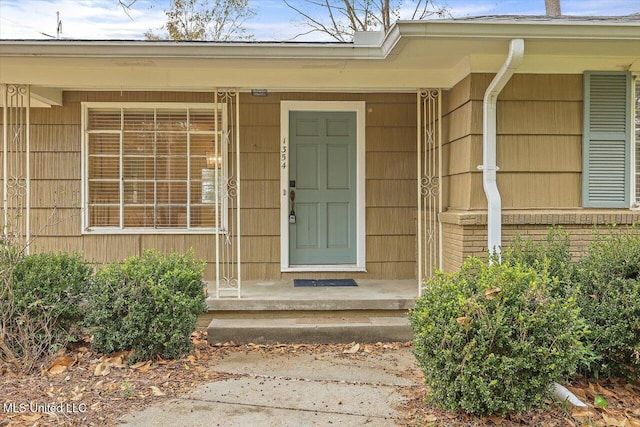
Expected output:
(323, 282)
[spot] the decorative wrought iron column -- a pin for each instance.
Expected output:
(227, 204)
(429, 150)
(16, 162)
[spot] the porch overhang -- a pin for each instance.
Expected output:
(413, 54)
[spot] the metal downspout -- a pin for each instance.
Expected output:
(489, 168)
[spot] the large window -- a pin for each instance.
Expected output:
(153, 167)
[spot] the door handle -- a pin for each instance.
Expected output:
(292, 214)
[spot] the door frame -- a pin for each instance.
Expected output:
(359, 108)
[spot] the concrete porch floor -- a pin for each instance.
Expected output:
(276, 311)
(282, 295)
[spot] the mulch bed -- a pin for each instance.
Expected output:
(81, 388)
(622, 408)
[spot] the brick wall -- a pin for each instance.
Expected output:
(465, 233)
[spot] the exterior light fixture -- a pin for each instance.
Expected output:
(213, 160)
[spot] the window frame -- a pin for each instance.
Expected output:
(121, 229)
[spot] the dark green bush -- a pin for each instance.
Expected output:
(609, 298)
(492, 338)
(52, 284)
(148, 304)
(40, 304)
(552, 254)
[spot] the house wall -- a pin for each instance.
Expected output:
(539, 153)
(539, 141)
(390, 182)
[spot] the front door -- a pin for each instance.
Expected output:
(322, 175)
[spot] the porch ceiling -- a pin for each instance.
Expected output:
(412, 55)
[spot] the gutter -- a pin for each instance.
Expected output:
(529, 29)
(141, 50)
(489, 168)
(489, 172)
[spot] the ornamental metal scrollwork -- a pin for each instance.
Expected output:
(429, 137)
(16, 165)
(17, 136)
(232, 187)
(430, 186)
(227, 241)
(16, 187)
(429, 94)
(17, 90)
(429, 181)
(226, 95)
(229, 283)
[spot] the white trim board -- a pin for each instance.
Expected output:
(359, 108)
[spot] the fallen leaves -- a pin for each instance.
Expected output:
(352, 350)
(371, 348)
(582, 414)
(30, 418)
(115, 360)
(614, 422)
(157, 392)
(495, 420)
(464, 321)
(600, 402)
(60, 365)
(612, 403)
(116, 389)
(491, 293)
(71, 379)
(143, 366)
(622, 409)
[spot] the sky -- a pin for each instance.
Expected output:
(105, 19)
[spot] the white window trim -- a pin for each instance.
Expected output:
(359, 107)
(84, 187)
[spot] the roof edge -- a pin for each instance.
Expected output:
(471, 29)
(534, 29)
(205, 50)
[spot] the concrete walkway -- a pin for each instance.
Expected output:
(292, 390)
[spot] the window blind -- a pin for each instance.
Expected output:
(155, 168)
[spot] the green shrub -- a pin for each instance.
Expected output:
(609, 298)
(53, 284)
(551, 254)
(40, 304)
(148, 304)
(492, 338)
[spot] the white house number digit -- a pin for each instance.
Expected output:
(283, 156)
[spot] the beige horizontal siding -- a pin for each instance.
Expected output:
(390, 182)
(50, 194)
(54, 138)
(539, 145)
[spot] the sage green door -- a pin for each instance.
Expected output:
(322, 172)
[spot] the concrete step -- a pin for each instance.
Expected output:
(316, 329)
(304, 304)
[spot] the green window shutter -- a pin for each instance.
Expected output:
(606, 143)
